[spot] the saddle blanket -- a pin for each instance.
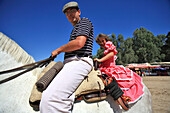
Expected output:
(91, 88)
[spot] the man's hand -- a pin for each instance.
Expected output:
(55, 53)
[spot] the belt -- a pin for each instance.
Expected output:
(79, 55)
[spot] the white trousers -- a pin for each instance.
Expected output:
(59, 95)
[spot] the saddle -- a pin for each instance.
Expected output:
(91, 89)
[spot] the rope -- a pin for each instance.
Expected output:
(28, 67)
(46, 61)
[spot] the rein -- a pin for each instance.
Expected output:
(28, 67)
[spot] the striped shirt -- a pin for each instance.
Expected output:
(83, 28)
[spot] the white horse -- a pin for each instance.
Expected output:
(14, 94)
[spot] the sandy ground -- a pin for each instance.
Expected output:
(159, 87)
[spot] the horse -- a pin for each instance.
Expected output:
(15, 94)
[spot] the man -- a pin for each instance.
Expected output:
(59, 95)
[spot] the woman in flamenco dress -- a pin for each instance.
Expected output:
(124, 85)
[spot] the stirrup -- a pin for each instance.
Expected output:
(123, 103)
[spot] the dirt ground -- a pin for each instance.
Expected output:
(159, 87)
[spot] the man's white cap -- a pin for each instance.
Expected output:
(69, 5)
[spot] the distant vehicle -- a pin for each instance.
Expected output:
(162, 73)
(150, 73)
(157, 72)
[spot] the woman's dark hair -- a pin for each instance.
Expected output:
(102, 35)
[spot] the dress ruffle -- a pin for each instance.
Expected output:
(120, 73)
(110, 47)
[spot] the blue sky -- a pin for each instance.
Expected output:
(39, 26)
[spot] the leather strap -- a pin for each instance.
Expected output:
(28, 67)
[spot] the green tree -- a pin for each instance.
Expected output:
(141, 48)
(114, 40)
(159, 42)
(100, 52)
(144, 46)
(129, 54)
(120, 49)
(166, 48)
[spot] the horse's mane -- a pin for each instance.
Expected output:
(14, 50)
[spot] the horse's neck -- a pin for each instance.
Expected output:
(14, 50)
(15, 93)
(13, 55)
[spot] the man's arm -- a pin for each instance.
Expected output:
(73, 45)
